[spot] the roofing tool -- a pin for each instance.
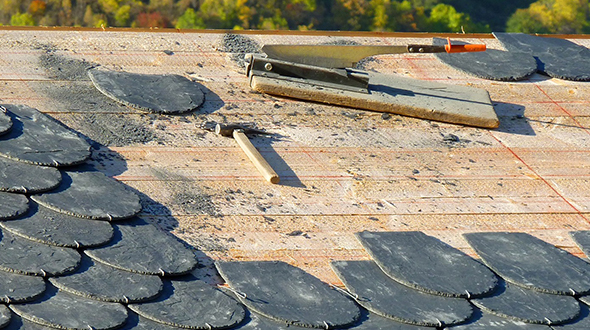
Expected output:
(326, 73)
(238, 132)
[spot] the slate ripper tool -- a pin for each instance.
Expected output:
(326, 73)
(238, 132)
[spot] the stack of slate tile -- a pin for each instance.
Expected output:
(74, 254)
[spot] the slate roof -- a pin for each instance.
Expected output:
(74, 254)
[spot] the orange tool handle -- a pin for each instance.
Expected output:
(463, 48)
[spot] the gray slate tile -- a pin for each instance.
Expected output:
(140, 247)
(38, 139)
(486, 321)
(530, 306)
(17, 288)
(5, 316)
(5, 121)
(136, 322)
(189, 303)
(427, 264)
(376, 322)
(62, 310)
(47, 226)
(19, 177)
(492, 64)
(91, 195)
(558, 58)
(155, 93)
(581, 323)
(23, 256)
(105, 283)
(12, 205)
(529, 262)
(17, 323)
(381, 295)
(288, 294)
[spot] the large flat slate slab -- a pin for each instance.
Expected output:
(38, 139)
(140, 247)
(63, 310)
(530, 306)
(492, 64)
(288, 294)
(17, 288)
(399, 95)
(12, 205)
(382, 295)
(156, 93)
(558, 58)
(427, 264)
(91, 195)
(23, 256)
(527, 261)
(47, 226)
(102, 282)
(19, 177)
(190, 303)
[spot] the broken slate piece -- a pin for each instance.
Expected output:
(140, 247)
(17, 288)
(101, 282)
(189, 303)
(47, 226)
(63, 310)
(527, 261)
(427, 264)
(558, 58)
(486, 321)
(5, 121)
(5, 316)
(91, 195)
(288, 294)
(492, 64)
(529, 306)
(381, 295)
(19, 177)
(12, 205)
(23, 256)
(38, 139)
(156, 93)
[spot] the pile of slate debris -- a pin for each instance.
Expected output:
(75, 255)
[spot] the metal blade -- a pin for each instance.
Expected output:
(329, 56)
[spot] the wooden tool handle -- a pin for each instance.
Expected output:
(261, 164)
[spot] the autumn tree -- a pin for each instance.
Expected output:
(552, 16)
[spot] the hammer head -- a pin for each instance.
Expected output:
(227, 130)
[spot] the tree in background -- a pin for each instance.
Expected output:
(551, 16)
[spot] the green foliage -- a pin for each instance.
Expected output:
(190, 20)
(24, 19)
(552, 16)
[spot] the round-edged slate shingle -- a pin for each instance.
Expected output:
(136, 322)
(12, 205)
(91, 195)
(285, 293)
(140, 247)
(581, 323)
(23, 256)
(486, 321)
(558, 58)
(171, 94)
(38, 139)
(24, 178)
(63, 310)
(492, 64)
(18, 288)
(381, 295)
(47, 226)
(5, 121)
(193, 304)
(376, 322)
(5, 316)
(527, 261)
(427, 264)
(529, 306)
(17, 323)
(105, 283)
